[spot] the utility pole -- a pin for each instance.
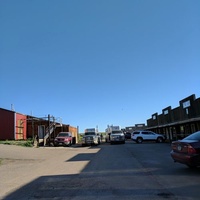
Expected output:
(49, 127)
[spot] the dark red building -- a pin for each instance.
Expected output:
(12, 125)
(16, 126)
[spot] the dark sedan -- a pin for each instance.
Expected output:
(187, 150)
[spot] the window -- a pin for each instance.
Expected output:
(145, 133)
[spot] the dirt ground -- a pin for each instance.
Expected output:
(21, 165)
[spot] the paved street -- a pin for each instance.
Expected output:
(130, 171)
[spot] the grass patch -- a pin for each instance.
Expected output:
(24, 143)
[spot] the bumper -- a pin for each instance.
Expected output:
(61, 143)
(89, 142)
(192, 160)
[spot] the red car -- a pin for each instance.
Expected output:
(187, 150)
(64, 139)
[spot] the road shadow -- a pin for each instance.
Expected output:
(114, 179)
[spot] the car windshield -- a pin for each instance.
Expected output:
(194, 136)
(63, 134)
(90, 133)
(115, 132)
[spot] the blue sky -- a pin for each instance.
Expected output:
(98, 62)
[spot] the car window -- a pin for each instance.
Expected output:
(90, 133)
(136, 132)
(145, 132)
(113, 132)
(194, 136)
(63, 134)
(151, 133)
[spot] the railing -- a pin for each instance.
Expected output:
(49, 130)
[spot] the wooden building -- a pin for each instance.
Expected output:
(16, 126)
(179, 122)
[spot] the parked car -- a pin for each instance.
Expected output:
(140, 136)
(63, 139)
(187, 150)
(127, 135)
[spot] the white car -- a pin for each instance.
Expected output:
(140, 136)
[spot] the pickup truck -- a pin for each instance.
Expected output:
(91, 137)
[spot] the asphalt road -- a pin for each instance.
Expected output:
(107, 172)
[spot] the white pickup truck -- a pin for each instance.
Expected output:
(91, 137)
(114, 135)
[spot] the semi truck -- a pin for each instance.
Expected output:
(114, 135)
(91, 137)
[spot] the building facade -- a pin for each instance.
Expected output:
(17, 126)
(179, 122)
(12, 125)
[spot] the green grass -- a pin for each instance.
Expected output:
(24, 143)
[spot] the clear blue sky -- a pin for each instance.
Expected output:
(98, 62)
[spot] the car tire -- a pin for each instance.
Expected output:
(159, 140)
(67, 144)
(139, 140)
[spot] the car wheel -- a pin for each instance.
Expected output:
(139, 140)
(67, 144)
(159, 140)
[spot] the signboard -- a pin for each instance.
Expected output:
(186, 104)
(165, 112)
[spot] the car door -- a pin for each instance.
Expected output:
(151, 135)
(148, 135)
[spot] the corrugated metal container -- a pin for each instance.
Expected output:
(12, 125)
(7, 124)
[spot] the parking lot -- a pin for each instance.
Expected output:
(121, 171)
